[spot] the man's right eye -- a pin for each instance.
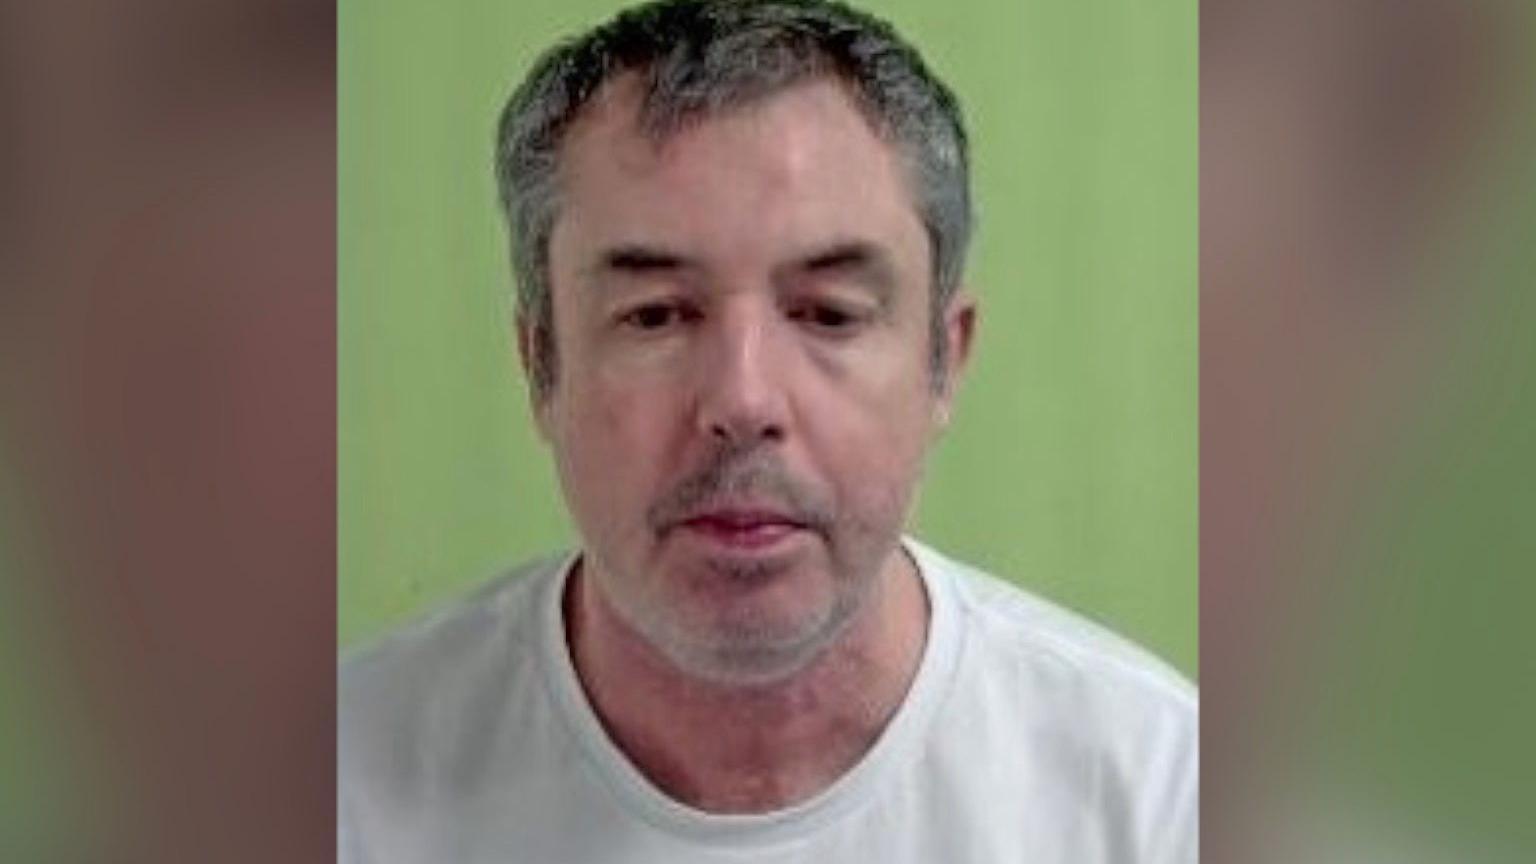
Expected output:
(654, 316)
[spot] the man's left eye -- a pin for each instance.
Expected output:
(824, 316)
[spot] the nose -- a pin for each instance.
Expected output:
(742, 399)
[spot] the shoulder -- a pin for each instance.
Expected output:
(451, 636)
(1119, 725)
(419, 688)
(1111, 695)
(1018, 630)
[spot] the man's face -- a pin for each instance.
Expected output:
(744, 396)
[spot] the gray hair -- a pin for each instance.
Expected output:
(698, 58)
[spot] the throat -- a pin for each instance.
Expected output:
(749, 749)
(751, 770)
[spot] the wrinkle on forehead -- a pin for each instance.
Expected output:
(639, 143)
(796, 171)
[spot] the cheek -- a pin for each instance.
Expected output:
(609, 442)
(874, 455)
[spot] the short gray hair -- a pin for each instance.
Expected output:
(697, 58)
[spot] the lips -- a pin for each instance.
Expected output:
(742, 528)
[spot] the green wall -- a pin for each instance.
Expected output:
(1072, 466)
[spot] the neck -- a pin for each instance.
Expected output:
(750, 749)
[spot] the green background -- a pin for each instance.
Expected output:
(1072, 466)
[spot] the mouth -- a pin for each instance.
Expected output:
(742, 529)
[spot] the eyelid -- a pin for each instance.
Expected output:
(680, 309)
(852, 313)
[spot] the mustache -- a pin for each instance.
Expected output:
(732, 475)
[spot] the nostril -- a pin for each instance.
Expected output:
(746, 433)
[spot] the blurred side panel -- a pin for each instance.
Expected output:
(167, 437)
(1368, 199)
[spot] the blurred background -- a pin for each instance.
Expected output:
(167, 431)
(1368, 474)
(1071, 467)
(169, 353)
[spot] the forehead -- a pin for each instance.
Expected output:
(785, 172)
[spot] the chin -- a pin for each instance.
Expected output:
(755, 645)
(747, 666)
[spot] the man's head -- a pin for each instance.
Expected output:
(752, 285)
(695, 60)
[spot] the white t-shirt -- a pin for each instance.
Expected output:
(1028, 735)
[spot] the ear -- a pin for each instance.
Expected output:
(528, 352)
(959, 334)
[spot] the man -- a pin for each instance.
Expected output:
(739, 230)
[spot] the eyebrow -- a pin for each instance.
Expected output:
(868, 264)
(638, 259)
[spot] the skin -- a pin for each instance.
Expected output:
(743, 407)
